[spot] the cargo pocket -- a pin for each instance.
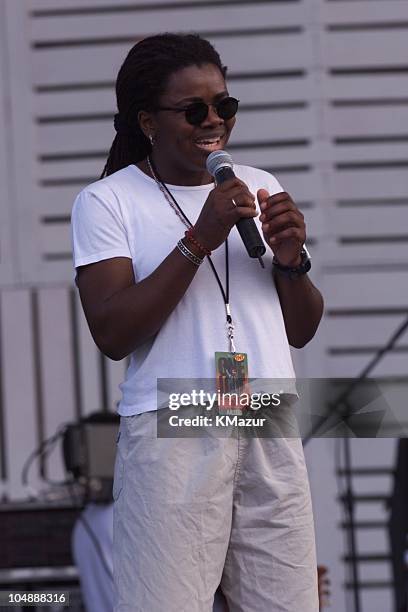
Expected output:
(142, 425)
(118, 471)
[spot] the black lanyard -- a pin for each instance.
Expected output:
(224, 292)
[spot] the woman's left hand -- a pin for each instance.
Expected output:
(283, 226)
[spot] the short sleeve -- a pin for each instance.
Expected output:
(275, 187)
(97, 229)
(256, 179)
(272, 184)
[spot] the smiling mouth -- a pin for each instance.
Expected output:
(208, 144)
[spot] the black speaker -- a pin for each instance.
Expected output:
(89, 448)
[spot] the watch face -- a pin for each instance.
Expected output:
(303, 268)
(304, 250)
(304, 255)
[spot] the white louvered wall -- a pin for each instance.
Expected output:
(323, 86)
(365, 92)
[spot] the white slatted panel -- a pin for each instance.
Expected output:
(100, 63)
(353, 149)
(22, 156)
(364, 92)
(360, 50)
(60, 7)
(321, 137)
(80, 27)
(354, 335)
(76, 50)
(65, 138)
(88, 365)
(366, 86)
(21, 434)
(366, 290)
(377, 12)
(8, 269)
(56, 365)
(364, 332)
(275, 90)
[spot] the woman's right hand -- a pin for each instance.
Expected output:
(122, 314)
(219, 213)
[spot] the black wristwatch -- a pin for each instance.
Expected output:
(292, 273)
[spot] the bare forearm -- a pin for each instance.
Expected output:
(302, 307)
(284, 228)
(136, 313)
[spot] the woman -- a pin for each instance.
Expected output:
(192, 513)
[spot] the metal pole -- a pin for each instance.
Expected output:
(349, 503)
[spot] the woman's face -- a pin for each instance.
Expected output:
(179, 151)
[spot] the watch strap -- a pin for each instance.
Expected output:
(294, 272)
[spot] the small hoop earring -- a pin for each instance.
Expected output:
(151, 138)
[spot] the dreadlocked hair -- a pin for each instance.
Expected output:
(141, 81)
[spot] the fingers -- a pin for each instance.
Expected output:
(233, 183)
(235, 191)
(225, 205)
(243, 199)
(278, 197)
(277, 205)
(293, 233)
(240, 212)
(283, 221)
(278, 209)
(262, 195)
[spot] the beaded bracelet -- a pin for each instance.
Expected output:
(187, 253)
(189, 234)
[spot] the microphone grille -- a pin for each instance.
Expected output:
(217, 160)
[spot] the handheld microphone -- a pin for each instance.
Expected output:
(219, 165)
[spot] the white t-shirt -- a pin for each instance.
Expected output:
(126, 215)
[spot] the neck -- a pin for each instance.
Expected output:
(184, 178)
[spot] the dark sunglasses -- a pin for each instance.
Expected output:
(198, 111)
